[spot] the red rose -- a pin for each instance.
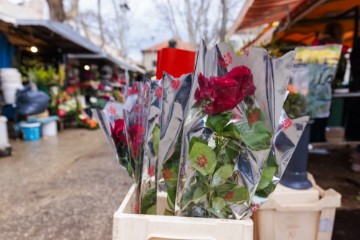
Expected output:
(219, 94)
(118, 133)
(136, 133)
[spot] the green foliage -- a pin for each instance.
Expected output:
(295, 105)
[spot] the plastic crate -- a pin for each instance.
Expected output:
(129, 226)
(297, 214)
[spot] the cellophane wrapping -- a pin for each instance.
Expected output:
(234, 106)
(175, 95)
(151, 149)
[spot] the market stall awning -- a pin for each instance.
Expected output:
(47, 34)
(106, 57)
(307, 22)
(258, 12)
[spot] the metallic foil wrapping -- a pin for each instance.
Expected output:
(175, 97)
(223, 155)
(151, 149)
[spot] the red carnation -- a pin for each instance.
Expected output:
(220, 94)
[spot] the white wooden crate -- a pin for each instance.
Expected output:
(129, 226)
(297, 214)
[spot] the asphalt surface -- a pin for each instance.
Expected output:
(64, 187)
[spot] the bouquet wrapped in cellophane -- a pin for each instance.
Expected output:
(234, 107)
(212, 143)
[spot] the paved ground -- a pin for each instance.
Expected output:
(64, 187)
(68, 187)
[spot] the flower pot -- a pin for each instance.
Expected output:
(295, 175)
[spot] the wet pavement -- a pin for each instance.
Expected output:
(64, 187)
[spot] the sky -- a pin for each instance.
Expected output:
(146, 27)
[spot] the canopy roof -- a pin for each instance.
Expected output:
(258, 12)
(313, 18)
(106, 57)
(47, 34)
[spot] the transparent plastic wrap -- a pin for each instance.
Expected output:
(135, 128)
(234, 107)
(175, 97)
(151, 148)
(313, 72)
(111, 121)
(287, 136)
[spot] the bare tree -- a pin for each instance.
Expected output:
(56, 9)
(195, 17)
(57, 12)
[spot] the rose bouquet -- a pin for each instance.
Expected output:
(235, 105)
(212, 143)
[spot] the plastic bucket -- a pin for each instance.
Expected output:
(49, 128)
(4, 141)
(9, 92)
(30, 131)
(10, 75)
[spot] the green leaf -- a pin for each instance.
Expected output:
(151, 210)
(237, 195)
(223, 173)
(232, 149)
(196, 139)
(148, 200)
(199, 193)
(218, 122)
(202, 158)
(257, 137)
(167, 212)
(266, 177)
(232, 131)
(215, 213)
(218, 204)
(171, 195)
(156, 139)
(271, 161)
(223, 189)
(170, 174)
(265, 192)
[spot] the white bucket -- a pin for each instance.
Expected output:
(49, 128)
(9, 92)
(4, 141)
(10, 75)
